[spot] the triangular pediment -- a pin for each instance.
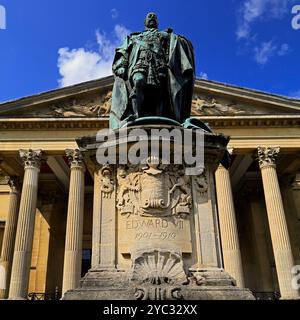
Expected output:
(93, 100)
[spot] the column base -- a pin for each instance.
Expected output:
(208, 284)
(289, 298)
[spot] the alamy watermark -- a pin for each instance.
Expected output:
(138, 146)
(2, 17)
(296, 18)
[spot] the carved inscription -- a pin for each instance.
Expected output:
(138, 232)
(155, 229)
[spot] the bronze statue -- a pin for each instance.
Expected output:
(154, 76)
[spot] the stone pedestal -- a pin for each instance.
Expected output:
(155, 228)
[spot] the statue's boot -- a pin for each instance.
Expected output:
(135, 108)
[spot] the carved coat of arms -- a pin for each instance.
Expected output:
(153, 189)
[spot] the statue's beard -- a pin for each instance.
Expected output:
(152, 24)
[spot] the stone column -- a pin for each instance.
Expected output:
(257, 220)
(277, 222)
(25, 228)
(228, 227)
(74, 232)
(10, 234)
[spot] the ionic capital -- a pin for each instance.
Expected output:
(31, 158)
(75, 158)
(267, 156)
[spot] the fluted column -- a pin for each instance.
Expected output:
(277, 222)
(228, 227)
(9, 234)
(25, 227)
(73, 246)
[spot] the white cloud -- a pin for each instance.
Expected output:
(295, 94)
(284, 50)
(278, 8)
(251, 10)
(114, 13)
(266, 50)
(121, 32)
(2, 17)
(203, 75)
(243, 31)
(79, 65)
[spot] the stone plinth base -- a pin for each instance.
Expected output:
(155, 223)
(201, 285)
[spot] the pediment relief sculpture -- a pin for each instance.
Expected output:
(92, 107)
(205, 105)
(99, 105)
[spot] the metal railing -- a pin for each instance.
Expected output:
(44, 295)
(267, 295)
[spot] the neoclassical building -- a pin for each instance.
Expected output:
(47, 191)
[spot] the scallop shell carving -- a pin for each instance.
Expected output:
(159, 267)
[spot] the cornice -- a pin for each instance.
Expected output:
(291, 120)
(98, 123)
(53, 123)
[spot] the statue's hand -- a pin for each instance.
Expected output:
(121, 72)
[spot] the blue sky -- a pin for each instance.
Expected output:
(50, 43)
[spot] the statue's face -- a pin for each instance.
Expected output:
(151, 20)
